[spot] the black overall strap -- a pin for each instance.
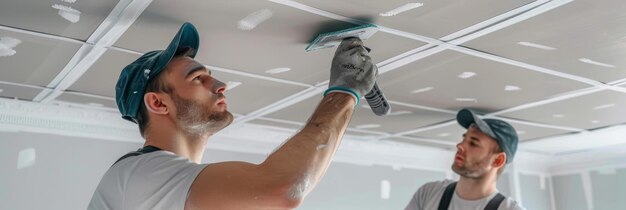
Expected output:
(494, 203)
(144, 150)
(447, 197)
(444, 203)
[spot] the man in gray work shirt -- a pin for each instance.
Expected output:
(487, 146)
(178, 104)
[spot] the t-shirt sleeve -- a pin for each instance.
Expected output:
(427, 195)
(510, 204)
(160, 180)
(413, 204)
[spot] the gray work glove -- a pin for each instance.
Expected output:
(352, 70)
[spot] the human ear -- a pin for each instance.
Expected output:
(154, 103)
(500, 160)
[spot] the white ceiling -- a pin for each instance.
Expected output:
(552, 68)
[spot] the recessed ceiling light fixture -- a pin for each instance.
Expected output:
(538, 46)
(595, 121)
(421, 90)
(367, 126)
(592, 62)
(69, 1)
(277, 70)
(7, 44)
(232, 84)
(403, 112)
(69, 13)
(467, 100)
(95, 104)
(401, 9)
(26, 158)
(603, 106)
(467, 75)
(558, 116)
(385, 189)
(254, 19)
(511, 88)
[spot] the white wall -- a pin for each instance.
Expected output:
(61, 173)
(49, 171)
(60, 153)
(601, 189)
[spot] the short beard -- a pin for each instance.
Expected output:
(475, 170)
(198, 119)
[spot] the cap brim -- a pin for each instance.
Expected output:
(187, 36)
(466, 117)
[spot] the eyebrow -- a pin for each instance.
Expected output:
(194, 68)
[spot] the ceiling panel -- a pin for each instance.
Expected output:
(453, 133)
(18, 91)
(527, 132)
(589, 111)
(452, 81)
(402, 118)
(59, 17)
(252, 94)
(277, 124)
(264, 121)
(279, 42)
(257, 47)
(102, 77)
(87, 100)
(585, 38)
(435, 18)
(35, 60)
(414, 141)
(299, 112)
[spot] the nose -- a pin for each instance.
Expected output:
(219, 86)
(459, 147)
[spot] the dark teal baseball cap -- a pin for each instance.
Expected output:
(501, 131)
(134, 78)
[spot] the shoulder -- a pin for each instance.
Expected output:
(433, 190)
(510, 204)
(160, 179)
(158, 164)
(428, 195)
(436, 185)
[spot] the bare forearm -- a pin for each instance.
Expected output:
(304, 158)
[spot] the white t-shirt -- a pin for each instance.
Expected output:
(155, 180)
(428, 196)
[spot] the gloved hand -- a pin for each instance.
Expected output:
(352, 70)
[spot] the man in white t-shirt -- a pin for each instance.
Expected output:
(178, 105)
(487, 146)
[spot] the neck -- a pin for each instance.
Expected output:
(477, 188)
(177, 142)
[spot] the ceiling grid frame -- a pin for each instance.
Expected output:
(435, 46)
(116, 23)
(97, 45)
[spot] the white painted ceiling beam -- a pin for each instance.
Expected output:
(507, 19)
(116, 23)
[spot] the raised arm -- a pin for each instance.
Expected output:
(292, 171)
